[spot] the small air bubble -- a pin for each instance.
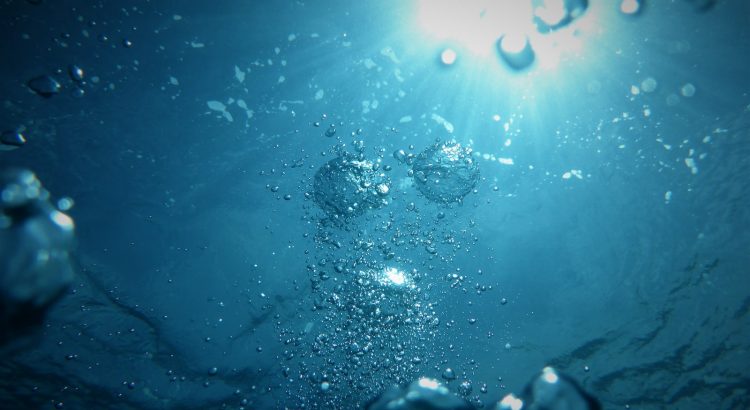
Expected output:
(448, 56)
(687, 90)
(65, 203)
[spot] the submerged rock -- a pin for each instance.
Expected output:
(445, 172)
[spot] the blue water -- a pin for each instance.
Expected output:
(608, 233)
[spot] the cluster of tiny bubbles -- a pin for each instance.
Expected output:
(373, 326)
(47, 86)
(444, 172)
(373, 318)
(349, 185)
(73, 78)
(465, 388)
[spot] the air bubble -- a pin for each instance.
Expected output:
(349, 186)
(445, 172)
(465, 388)
(331, 131)
(687, 90)
(76, 73)
(45, 86)
(449, 374)
(12, 139)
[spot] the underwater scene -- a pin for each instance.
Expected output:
(384, 205)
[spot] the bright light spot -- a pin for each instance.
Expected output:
(475, 24)
(514, 43)
(511, 402)
(448, 56)
(630, 6)
(428, 383)
(62, 220)
(485, 27)
(395, 276)
(551, 12)
(549, 375)
(452, 152)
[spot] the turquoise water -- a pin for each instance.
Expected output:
(299, 204)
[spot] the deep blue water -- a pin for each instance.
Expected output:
(607, 233)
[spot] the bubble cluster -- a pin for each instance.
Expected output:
(445, 172)
(373, 303)
(348, 185)
(374, 323)
(385, 297)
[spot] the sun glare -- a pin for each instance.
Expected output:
(474, 24)
(521, 32)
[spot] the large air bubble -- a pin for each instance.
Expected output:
(348, 186)
(445, 172)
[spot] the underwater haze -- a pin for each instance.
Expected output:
(299, 204)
